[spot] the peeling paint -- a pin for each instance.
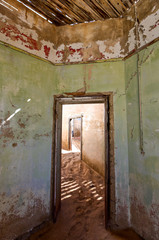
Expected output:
(149, 28)
(26, 39)
(131, 40)
(60, 53)
(75, 52)
(16, 207)
(144, 199)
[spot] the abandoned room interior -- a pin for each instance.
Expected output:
(79, 119)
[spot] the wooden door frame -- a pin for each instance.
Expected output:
(74, 98)
(69, 133)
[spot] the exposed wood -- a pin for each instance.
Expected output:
(118, 4)
(80, 9)
(62, 12)
(81, 3)
(106, 7)
(57, 4)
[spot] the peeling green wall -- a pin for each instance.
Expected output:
(26, 139)
(105, 77)
(144, 168)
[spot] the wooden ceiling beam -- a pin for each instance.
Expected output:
(96, 8)
(113, 8)
(106, 7)
(62, 12)
(66, 11)
(89, 11)
(34, 7)
(51, 12)
(84, 11)
(127, 3)
(93, 15)
(118, 5)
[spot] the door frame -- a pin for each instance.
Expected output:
(69, 132)
(84, 98)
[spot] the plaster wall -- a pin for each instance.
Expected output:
(27, 86)
(27, 31)
(101, 40)
(77, 127)
(26, 104)
(148, 21)
(94, 41)
(87, 42)
(144, 167)
(92, 133)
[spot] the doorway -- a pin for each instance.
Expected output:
(56, 176)
(75, 133)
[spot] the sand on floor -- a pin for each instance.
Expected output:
(82, 209)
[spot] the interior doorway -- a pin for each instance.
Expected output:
(74, 133)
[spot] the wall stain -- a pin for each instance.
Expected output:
(46, 50)
(21, 124)
(13, 33)
(14, 145)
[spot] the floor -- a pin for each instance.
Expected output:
(82, 212)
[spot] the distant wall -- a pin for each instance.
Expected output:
(77, 127)
(93, 148)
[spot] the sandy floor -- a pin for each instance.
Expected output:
(82, 211)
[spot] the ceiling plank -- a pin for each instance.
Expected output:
(82, 8)
(56, 4)
(127, 3)
(48, 12)
(77, 9)
(118, 4)
(62, 12)
(52, 12)
(94, 5)
(34, 7)
(106, 7)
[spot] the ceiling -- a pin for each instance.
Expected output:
(62, 12)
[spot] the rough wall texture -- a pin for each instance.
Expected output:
(101, 40)
(92, 133)
(27, 86)
(105, 77)
(26, 127)
(25, 30)
(144, 168)
(148, 19)
(25, 141)
(96, 41)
